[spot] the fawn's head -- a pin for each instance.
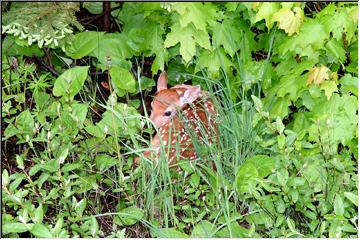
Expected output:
(167, 101)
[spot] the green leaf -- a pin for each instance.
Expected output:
(306, 43)
(79, 112)
(122, 79)
(20, 161)
(195, 13)
(336, 50)
(72, 166)
(80, 207)
(25, 122)
(58, 226)
(93, 7)
(256, 167)
(39, 214)
(104, 162)
(203, 229)
(112, 50)
(187, 37)
(257, 102)
(41, 231)
(226, 34)
(266, 11)
(130, 215)
(168, 233)
(5, 178)
(338, 205)
(280, 107)
(70, 82)
(83, 44)
(352, 197)
(195, 180)
(213, 61)
(15, 228)
(349, 83)
(94, 226)
(329, 87)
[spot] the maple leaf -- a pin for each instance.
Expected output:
(213, 61)
(329, 87)
(318, 75)
(266, 11)
(188, 37)
(227, 35)
(306, 42)
(197, 13)
(288, 21)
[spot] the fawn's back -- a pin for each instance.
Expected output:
(181, 113)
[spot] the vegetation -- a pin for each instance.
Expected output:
(77, 81)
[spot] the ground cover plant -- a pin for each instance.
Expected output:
(77, 83)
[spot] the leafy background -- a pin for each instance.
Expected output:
(77, 77)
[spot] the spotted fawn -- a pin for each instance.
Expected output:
(175, 131)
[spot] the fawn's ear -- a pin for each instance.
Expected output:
(162, 82)
(190, 95)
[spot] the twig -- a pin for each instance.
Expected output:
(106, 13)
(346, 47)
(46, 50)
(40, 62)
(99, 16)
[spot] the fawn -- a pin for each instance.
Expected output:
(199, 117)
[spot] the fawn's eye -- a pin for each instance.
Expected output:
(167, 113)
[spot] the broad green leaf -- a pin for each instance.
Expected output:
(213, 61)
(187, 37)
(226, 34)
(130, 215)
(306, 43)
(94, 226)
(63, 155)
(336, 50)
(338, 205)
(5, 178)
(122, 79)
(257, 102)
(83, 44)
(80, 207)
(72, 166)
(58, 226)
(289, 21)
(168, 233)
(352, 197)
(266, 11)
(71, 81)
(79, 112)
(104, 162)
(39, 214)
(41, 231)
(94, 7)
(15, 228)
(113, 50)
(349, 83)
(20, 161)
(280, 107)
(203, 229)
(195, 13)
(256, 167)
(329, 87)
(291, 225)
(25, 122)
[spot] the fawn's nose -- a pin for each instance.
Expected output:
(157, 120)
